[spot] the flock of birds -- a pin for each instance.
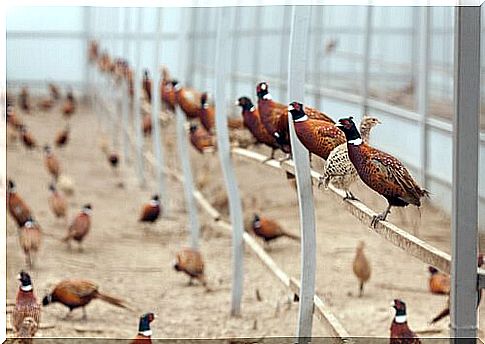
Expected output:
(346, 151)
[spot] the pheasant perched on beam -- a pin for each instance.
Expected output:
(16, 205)
(274, 116)
(361, 267)
(400, 331)
(200, 139)
(79, 293)
(269, 229)
(147, 85)
(26, 305)
(252, 121)
(29, 238)
(79, 227)
(338, 168)
(190, 261)
(382, 172)
(319, 137)
(144, 332)
(57, 202)
(207, 113)
(188, 100)
(169, 99)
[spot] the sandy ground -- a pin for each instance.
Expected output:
(134, 262)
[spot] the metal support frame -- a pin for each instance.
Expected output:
(223, 147)
(284, 50)
(366, 59)
(464, 281)
(140, 164)
(300, 24)
(182, 144)
(156, 135)
(257, 45)
(422, 88)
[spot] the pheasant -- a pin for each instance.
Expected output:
(400, 331)
(274, 116)
(318, 136)
(445, 312)
(147, 86)
(69, 106)
(168, 96)
(16, 205)
(269, 229)
(338, 168)
(26, 305)
(62, 137)
(382, 172)
(439, 283)
(27, 138)
(151, 211)
(147, 125)
(29, 239)
(188, 100)
(24, 100)
(200, 139)
(190, 261)
(80, 226)
(74, 293)
(361, 267)
(51, 162)
(144, 332)
(207, 113)
(57, 202)
(54, 92)
(252, 121)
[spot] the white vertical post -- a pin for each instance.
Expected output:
(366, 60)
(156, 137)
(223, 147)
(182, 143)
(257, 44)
(114, 92)
(423, 77)
(466, 126)
(300, 24)
(125, 106)
(136, 105)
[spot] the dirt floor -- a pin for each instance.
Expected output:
(134, 261)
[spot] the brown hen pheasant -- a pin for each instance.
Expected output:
(190, 261)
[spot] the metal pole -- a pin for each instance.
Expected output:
(319, 52)
(125, 106)
(87, 68)
(223, 147)
(300, 24)
(423, 78)
(366, 66)
(235, 51)
(182, 144)
(112, 83)
(156, 136)
(257, 45)
(284, 48)
(466, 125)
(137, 108)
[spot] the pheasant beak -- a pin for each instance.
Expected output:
(338, 125)
(155, 316)
(236, 102)
(392, 304)
(290, 107)
(19, 277)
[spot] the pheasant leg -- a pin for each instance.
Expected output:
(350, 196)
(380, 217)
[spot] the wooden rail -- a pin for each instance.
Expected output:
(325, 315)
